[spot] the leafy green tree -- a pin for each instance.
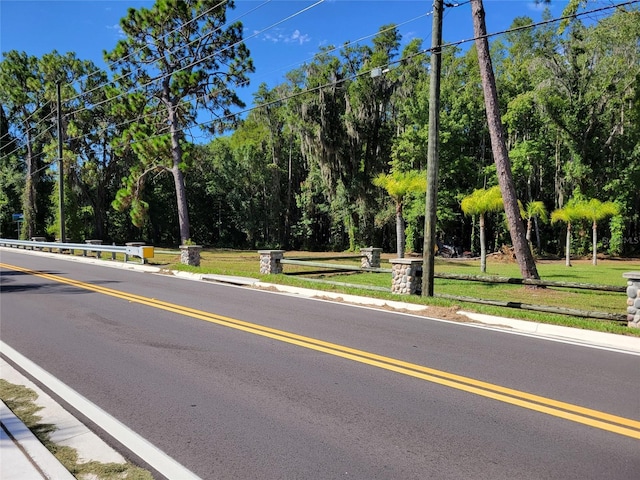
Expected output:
(11, 178)
(185, 58)
(23, 96)
(480, 203)
(463, 130)
(398, 185)
(588, 92)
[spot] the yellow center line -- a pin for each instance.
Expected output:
(594, 418)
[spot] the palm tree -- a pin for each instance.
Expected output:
(594, 210)
(398, 185)
(533, 211)
(481, 202)
(568, 214)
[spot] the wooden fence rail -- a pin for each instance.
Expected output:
(415, 267)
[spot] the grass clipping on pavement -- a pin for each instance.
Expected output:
(22, 402)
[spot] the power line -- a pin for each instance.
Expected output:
(163, 36)
(196, 62)
(184, 102)
(79, 110)
(368, 72)
(100, 86)
(421, 52)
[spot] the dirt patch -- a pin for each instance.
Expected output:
(445, 313)
(431, 311)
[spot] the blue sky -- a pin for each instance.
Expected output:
(280, 35)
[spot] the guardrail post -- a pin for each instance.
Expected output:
(93, 242)
(270, 261)
(132, 244)
(406, 276)
(371, 257)
(38, 239)
(633, 298)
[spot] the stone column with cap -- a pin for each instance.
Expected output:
(633, 298)
(270, 261)
(370, 257)
(406, 276)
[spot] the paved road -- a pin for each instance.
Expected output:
(237, 383)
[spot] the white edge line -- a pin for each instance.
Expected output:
(471, 324)
(144, 449)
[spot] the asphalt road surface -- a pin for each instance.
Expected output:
(243, 384)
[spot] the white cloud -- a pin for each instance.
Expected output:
(278, 36)
(118, 30)
(299, 37)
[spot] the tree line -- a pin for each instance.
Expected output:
(311, 163)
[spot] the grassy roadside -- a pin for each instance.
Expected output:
(607, 272)
(22, 401)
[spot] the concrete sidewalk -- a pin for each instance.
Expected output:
(23, 457)
(22, 454)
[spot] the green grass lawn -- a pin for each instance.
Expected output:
(607, 272)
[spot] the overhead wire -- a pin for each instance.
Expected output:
(138, 50)
(195, 40)
(255, 34)
(88, 75)
(187, 101)
(196, 62)
(100, 86)
(421, 52)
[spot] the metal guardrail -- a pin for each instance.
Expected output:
(133, 249)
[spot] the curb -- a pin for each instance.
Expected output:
(25, 457)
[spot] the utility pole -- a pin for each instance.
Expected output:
(60, 167)
(432, 152)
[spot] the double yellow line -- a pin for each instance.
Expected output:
(594, 418)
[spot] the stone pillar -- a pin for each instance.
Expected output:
(371, 257)
(406, 276)
(270, 261)
(190, 255)
(633, 298)
(92, 242)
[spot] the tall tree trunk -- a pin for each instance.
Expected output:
(29, 196)
(178, 178)
(501, 157)
(483, 246)
(567, 246)
(594, 246)
(537, 227)
(399, 231)
(287, 215)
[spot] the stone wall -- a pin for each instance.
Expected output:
(633, 298)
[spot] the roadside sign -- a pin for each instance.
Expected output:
(18, 217)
